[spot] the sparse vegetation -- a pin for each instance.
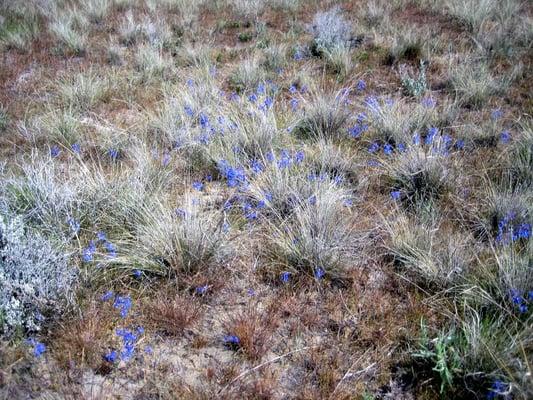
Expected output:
(266, 199)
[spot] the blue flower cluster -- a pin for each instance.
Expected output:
(496, 114)
(319, 273)
(74, 225)
(54, 151)
(76, 148)
(499, 390)
(209, 126)
(129, 337)
(360, 126)
(299, 55)
(113, 153)
(234, 175)
(510, 229)
(505, 137)
(38, 347)
(201, 290)
(294, 102)
(237, 177)
(429, 102)
(89, 252)
(122, 303)
(521, 300)
(232, 342)
(375, 107)
(396, 194)
(197, 185)
(442, 146)
(129, 342)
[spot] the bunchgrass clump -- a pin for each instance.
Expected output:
(339, 61)
(473, 13)
(21, 37)
(247, 75)
(505, 37)
(396, 121)
(483, 349)
(325, 117)
(504, 213)
(4, 118)
(60, 127)
(173, 316)
(275, 57)
(250, 331)
(41, 196)
(420, 175)
(97, 10)
(199, 55)
(317, 239)
(375, 12)
(474, 84)
(151, 62)
(406, 44)
(132, 31)
(428, 256)
(251, 136)
(182, 241)
(82, 91)
(519, 168)
(177, 121)
(247, 9)
(513, 273)
(69, 30)
(335, 161)
(290, 6)
(286, 182)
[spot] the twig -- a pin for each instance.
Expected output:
(248, 371)
(348, 371)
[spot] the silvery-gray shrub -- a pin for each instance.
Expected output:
(35, 278)
(330, 30)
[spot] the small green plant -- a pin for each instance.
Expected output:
(441, 352)
(414, 85)
(245, 36)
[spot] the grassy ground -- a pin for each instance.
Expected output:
(266, 199)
